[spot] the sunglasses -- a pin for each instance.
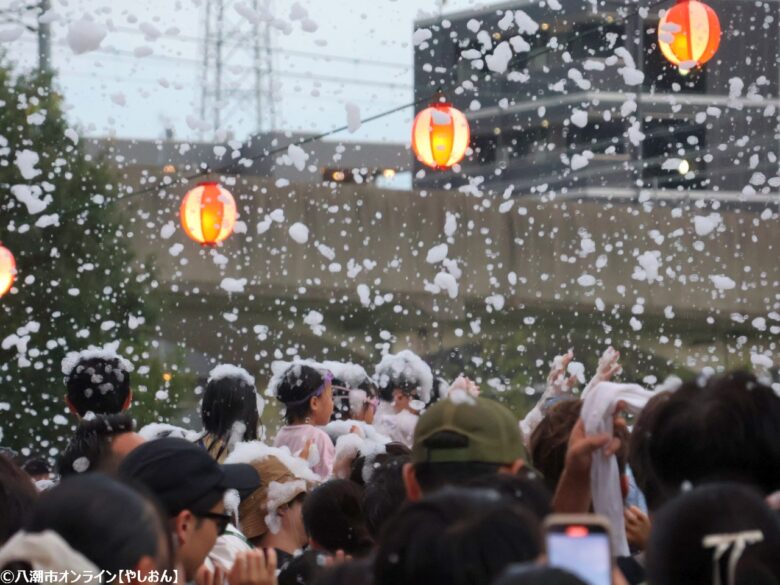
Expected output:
(221, 520)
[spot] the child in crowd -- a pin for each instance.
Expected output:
(305, 388)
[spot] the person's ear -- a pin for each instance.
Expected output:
(282, 510)
(314, 403)
(413, 490)
(128, 400)
(71, 407)
(183, 525)
(512, 469)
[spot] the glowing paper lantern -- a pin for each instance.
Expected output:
(208, 213)
(7, 270)
(689, 34)
(440, 136)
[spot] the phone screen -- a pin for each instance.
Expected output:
(583, 551)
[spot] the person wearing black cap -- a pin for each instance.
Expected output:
(191, 487)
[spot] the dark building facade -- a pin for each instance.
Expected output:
(581, 102)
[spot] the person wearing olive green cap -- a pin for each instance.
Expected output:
(460, 438)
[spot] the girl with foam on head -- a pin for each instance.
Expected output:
(305, 389)
(230, 410)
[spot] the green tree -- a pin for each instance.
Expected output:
(77, 284)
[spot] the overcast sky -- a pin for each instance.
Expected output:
(112, 90)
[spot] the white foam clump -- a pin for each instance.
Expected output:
(631, 75)
(80, 465)
(722, 282)
(352, 446)
(577, 369)
(232, 499)
(25, 161)
(85, 35)
(353, 375)
(254, 451)
(353, 117)
(408, 366)
(314, 320)
(705, 225)
(339, 428)
(299, 232)
(31, 196)
(230, 371)
(496, 301)
(233, 285)
(446, 282)
(437, 254)
(579, 161)
(579, 118)
(450, 225)
(364, 294)
(586, 280)
(499, 60)
(460, 396)
(298, 156)
(154, 431)
(106, 353)
(649, 265)
(280, 494)
(279, 369)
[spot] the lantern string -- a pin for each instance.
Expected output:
(267, 153)
(264, 154)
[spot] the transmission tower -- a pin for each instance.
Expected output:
(230, 41)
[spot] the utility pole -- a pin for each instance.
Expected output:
(44, 38)
(224, 43)
(258, 73)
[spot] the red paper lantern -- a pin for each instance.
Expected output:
(208, 213)
(7, 270)
(440, 136)
(689, 34)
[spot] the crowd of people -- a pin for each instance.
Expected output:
(400, 478)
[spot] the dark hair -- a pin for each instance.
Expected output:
(17, 497)
(385, 492)
(526, 489)
(98, 385)
(303, 569)
(106, 521)
(639, 452)
(434, 476)
(357, 572)
(342, 409)
(479, 549)
(333, 517)
(91, 444)
(439, 386)
(360, 462)
(298, 383)
(36, 466)
(675, 552)
(389, 381)
(455, 536)
(726, 430)
(227, 401)
(533, 574)
(550, 440)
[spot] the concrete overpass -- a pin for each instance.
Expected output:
(537, 276)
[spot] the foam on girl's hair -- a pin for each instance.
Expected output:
(230, 371)
(280, 368)
(107, 353)
(351, 374)
(405, 366)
